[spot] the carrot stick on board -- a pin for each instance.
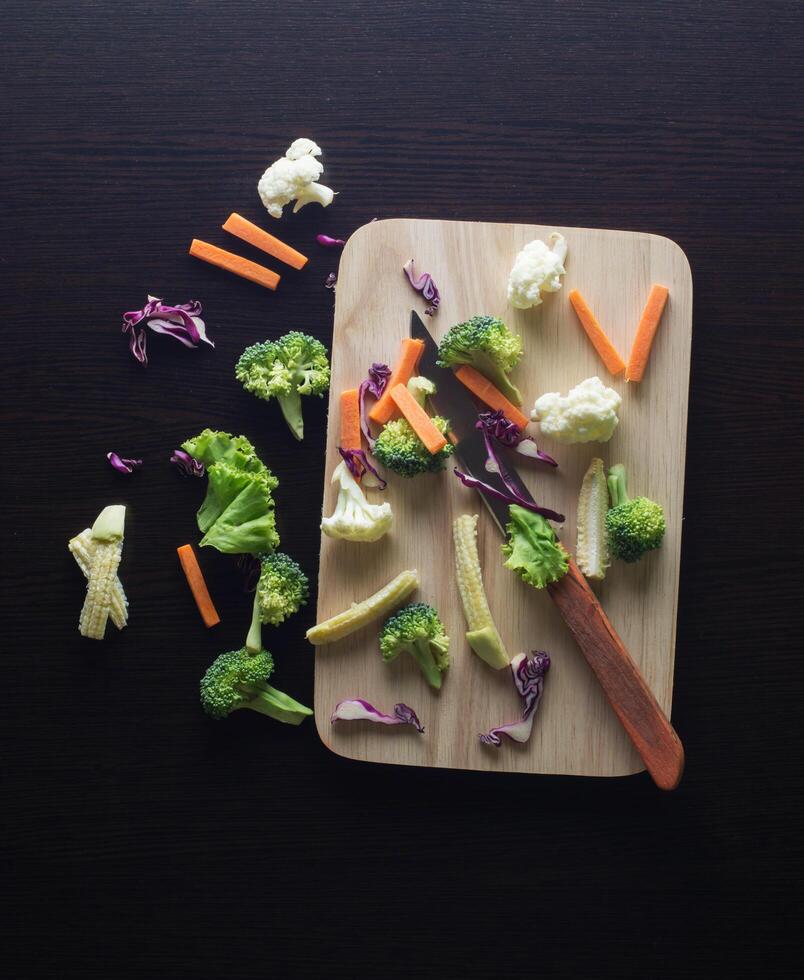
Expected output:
(646, 331)
(240, 227)
(233, 263)
(604, 347)
(198, 586)
(481, 387)
(418, 419)
(350, 419)
(409, 357)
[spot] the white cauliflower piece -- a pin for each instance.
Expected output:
(293, 178)
(587, 414)
(537, 269)
(354, 518)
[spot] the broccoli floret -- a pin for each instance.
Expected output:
(238, 680)
(633, 526)
(421, 388)
(401, 450)
(286, 369)
(418, 630)
(281, 591)
(489, 347)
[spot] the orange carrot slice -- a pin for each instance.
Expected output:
(240, 227)
(198, 586)
(646, 331)
(419, 420)
(403, 371)
(604, 347)
(234, 263)
(483, 389)
(350, 419)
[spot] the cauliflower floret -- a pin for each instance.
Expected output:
(587, 414)
(293, 177)
(354, 518)
(537, 269)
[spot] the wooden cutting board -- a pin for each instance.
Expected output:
(575, 731)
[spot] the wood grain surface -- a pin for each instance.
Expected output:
(577, 732)
(142, 840)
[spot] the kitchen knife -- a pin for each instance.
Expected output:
(632, 700)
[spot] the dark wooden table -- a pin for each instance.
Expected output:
(145, 840)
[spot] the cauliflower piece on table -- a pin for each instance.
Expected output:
(537, 269)
(293, 177)
(587, 414)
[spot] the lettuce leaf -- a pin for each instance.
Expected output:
(532, 549)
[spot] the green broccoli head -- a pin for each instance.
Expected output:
(231, 682)
(633, 526)
(399, 448)
(485, 343)
(238, 680)
(285, 369)
(418, 630)
(282, 589)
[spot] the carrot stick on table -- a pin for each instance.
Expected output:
(254, 235)
(418, 419)
(234, 263)
(350, 419)
(198, 586)
(403, 371)
(480, 386)
(604, 347)
(646, 331)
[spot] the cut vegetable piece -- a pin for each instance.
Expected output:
(409, 357)
(482, 635)
(234, 263)
(350, 419)
(592, 550)
(356, 709)
(198, 586)
(529, 678)
(241, 228)
(604, 347)
(107, 537)
(82, 548)
(646, 332)
(483, 389)
(418, 419)
(361, 613)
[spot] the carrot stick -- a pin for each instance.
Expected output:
(251, 233)
(234, 263)
(604, 347)
(350, 419)
(198, 586)
(409, 357)
(489, 395)
(419, 420)
(646, 331)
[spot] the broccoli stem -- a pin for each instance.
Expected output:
(617, 485)
(254, 638)
(423, 655)
(276, 704)
(291, 406)
(488, 366)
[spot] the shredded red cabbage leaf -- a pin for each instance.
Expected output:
(182, 322)
(529, 675)
(186, 464)
(512, 496)
(425, 285)
(374, 385)
(356, 709)
(123, 465)
(498, 425)
(358, 463)
(328, 242)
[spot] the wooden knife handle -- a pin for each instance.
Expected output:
(633, 702)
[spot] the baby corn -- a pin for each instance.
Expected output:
(482, 635)
(107, 538)
(82, 548)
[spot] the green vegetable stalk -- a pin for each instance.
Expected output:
(634, 526)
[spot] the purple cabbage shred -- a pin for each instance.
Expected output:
(182, 322)
(528, 675)
(123, 465)
(425, 285)
(374, 385)
(508, 433)
(356, 709)
(328, 242)
(186, 464)
(359, 463)
(510, 496)
(331, 281)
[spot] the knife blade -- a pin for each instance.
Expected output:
(624, 686)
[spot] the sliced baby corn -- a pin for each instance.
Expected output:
(360, 614)
(107, 537)
(82, 548)
(592, 550)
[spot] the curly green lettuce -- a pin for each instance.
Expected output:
(532, 550)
